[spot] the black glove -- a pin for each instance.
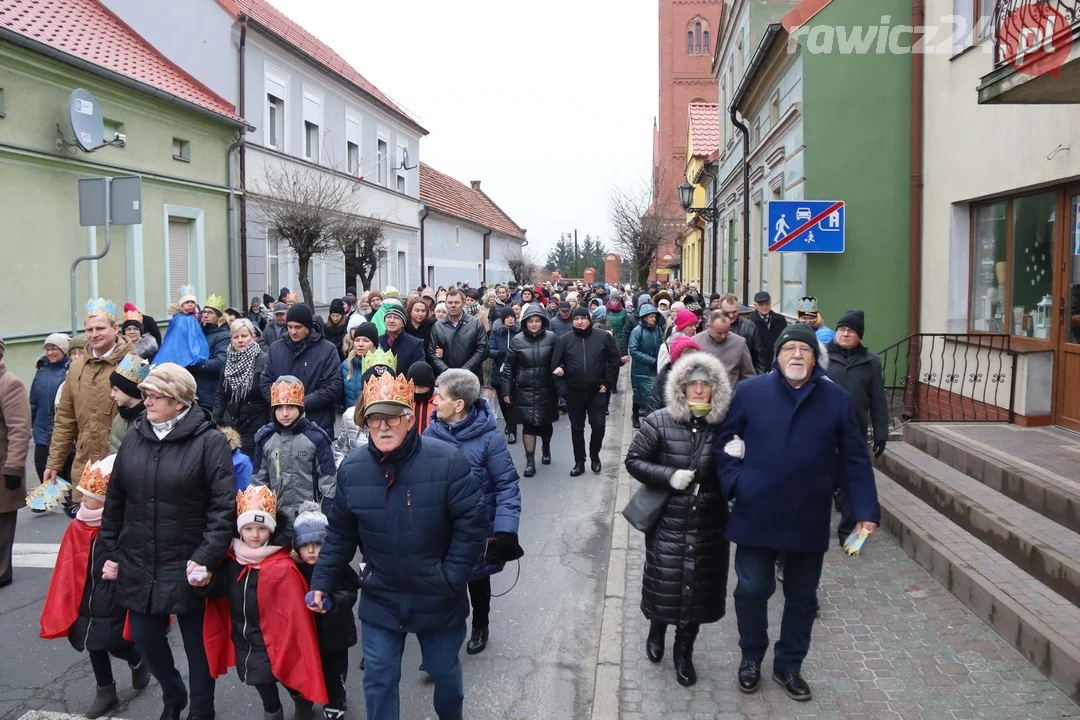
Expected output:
(503, 548)
(879, 447)
(12, 482)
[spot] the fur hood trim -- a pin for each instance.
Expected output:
(679, 378)
(146, 347)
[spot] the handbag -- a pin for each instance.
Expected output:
(645, 506)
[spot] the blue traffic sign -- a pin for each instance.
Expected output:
(814, 226)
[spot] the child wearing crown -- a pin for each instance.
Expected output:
(294, 457)
(273, 634)
(184, 342)
(125, 393)
(82, 608)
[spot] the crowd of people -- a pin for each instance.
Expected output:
(272, 444)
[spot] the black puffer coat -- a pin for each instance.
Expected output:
(101, 619)
(527, 377)
(246, 414)
(252, 659)
(686, 555)
(337, 626)
(170, 501)
(315, 361)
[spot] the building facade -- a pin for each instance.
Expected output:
(176, 136)
(702, 148)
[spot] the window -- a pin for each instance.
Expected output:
(312, 123)
(402, 270)
(384, 161)
(181, 150)
(352, 144)
(705, 43)
(273, 267)
(402, 180)
(457, 236)
(431, 276)
(2, 113)
(724, 108)
(973, 21)
(1012, 263)
(689, 42)
(697, 38)
(179, 254)
(401, 187)
(755, 133)
(275, 122)
(774, 109)
(311, 141)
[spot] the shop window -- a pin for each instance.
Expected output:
(989, 279)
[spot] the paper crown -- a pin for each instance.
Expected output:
(187, 294)
(133, 316)
(95, 478)
(101, 306)
(133, 368)
(257, 504)
(287, 390)
(378, 357)
(217, 303)
(292, 298)
(808, 305)
(390, 389)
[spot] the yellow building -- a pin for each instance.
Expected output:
(702, 144)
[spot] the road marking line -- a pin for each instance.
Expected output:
(47, 715)
(35, 555)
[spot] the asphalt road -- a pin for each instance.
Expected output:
(540, 660)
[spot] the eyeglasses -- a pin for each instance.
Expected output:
(374, 421)
(153, 397)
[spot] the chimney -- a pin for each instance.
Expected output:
(475, 185)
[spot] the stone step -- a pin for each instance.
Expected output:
(1041, 624)
(1003, 469)
(1038, 545)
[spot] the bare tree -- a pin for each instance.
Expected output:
(304, 206)
(363, 241)
(638, 226)
(523, 264)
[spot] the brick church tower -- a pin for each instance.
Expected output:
(688, 35)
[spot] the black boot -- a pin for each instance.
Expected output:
(578, 469)
(596, 443)
(682, 652)
(530, 464)
(577, 436)
(478, 641)
(173, 711)
(511, 437)
(545, 450)
(303, 708)
(635, 421)
(654, 644)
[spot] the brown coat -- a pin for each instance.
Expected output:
(14, 437)
(84, 416)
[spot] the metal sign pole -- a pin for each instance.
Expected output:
(75, 265)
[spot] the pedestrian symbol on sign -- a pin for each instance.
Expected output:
(781, 229)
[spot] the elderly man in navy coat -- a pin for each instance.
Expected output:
(783, 500)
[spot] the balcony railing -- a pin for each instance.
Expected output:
(1024, 23)
(949, 378)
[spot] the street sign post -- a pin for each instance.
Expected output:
(813, 226)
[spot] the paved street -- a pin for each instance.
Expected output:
(544, 634)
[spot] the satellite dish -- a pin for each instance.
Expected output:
(86, 120)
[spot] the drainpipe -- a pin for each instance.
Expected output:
(746, 201)
(918, 15)
(243, 163)
(232, 215)
(487, 240)
(423, 264)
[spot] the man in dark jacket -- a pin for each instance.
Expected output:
(769, 325)
(416, 509)
(458, 340)
(747, 330)
(207, 374)
(783, 499)
(586, 367)
(406, 348)
(857, 370)
(560, 323)
(303, 353)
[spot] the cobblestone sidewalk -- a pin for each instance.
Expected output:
(891, 643)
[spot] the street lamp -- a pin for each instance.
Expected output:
(686, 199)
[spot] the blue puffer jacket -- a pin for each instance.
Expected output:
(418, 516)
(354, 386)
(644, 348)
(479, 440)
(47, 381)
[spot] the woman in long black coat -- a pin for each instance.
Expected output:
(686, 555)
(167, 523)
(528, 385)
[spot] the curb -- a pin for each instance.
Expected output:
(608, 678)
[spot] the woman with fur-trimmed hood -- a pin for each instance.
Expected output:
(686, 555)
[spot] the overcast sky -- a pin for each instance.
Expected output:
(548, 104)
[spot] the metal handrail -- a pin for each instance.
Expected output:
(1011, 15)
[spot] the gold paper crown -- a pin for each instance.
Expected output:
(388, 388)
(378, 357)
(216, 302)
(257, 499)
(287, 390)
(101, 306)
(292, 298)
(95, 477)
(133, 316)
(133, 367)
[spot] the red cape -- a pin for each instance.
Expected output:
(288, 629)
(64, 597)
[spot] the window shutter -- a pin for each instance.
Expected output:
(275, 86)
(179, 263)
(352, 131)
(311, 110)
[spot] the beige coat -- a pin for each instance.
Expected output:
(14, 438)
(84, 415)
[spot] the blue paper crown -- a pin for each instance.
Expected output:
(101, 306)
(187, 291)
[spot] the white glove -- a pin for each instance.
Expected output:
(681, 479)
(197, 574)
(109, 570)
(735, 447)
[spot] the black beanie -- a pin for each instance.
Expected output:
(580, 311)
(368, 330)
(854, 319)
(336, 306)
(802, 333)
(301, 313)
(124, 385)
(421, 374)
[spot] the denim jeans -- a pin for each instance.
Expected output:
(382, 670)
(756, 573)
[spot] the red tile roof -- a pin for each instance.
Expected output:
(446, 195)
(300, 39)
(88, 30)
(704, 128)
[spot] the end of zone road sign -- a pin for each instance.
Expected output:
(813, 226)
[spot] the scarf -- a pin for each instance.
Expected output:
(130, 413)
(163, 429)
(92, 518)
(252, 556)
(700, 409)
(240, 370)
